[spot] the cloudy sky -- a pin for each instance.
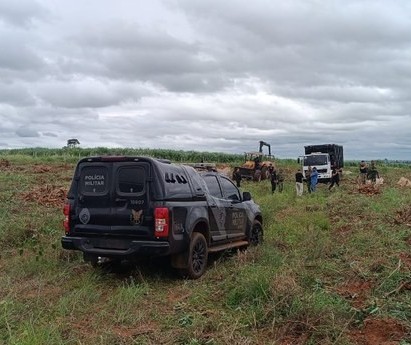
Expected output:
(207, 75)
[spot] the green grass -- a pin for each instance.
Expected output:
(300, 286)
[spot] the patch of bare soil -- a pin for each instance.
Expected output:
(4, 164)
(39, 169)
(369, 189)
(294, 340)
(50, 168)
(47, 195)
(403, 216)
(356, 291)
(294, 333)
(406, 259)
(176, 296)
(131, 332)
(343, 230)
(379, 331)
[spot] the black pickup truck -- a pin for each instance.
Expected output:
(122, 208)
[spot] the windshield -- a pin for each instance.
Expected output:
(315, 160)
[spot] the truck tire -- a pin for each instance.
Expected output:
(197, 256)
(255, 235)
(92, 259)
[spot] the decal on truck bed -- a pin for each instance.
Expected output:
(84, 215)
(136, 217)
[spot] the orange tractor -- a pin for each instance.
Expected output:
(256, 164)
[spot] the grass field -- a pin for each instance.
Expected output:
(335, 268)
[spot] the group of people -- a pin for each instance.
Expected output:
(277, 179)
(368, 172)
(311, 177)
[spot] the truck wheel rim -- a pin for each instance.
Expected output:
(198, 257)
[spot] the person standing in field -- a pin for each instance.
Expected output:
(257, 174)
(299, 185)
(273, 180)
(363, 172)
(372, 173)
(308, 178)
(237, 177)
(270, 169)
(335, 178)
(314, 179)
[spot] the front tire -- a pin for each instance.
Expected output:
(197, 256)
(256, 234)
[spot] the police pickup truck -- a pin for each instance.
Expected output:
(122, 208)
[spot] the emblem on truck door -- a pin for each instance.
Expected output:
(84, 216)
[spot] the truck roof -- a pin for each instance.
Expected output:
(177, 181)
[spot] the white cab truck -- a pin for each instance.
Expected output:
(324, 158)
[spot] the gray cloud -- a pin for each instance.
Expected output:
(16, 94)
(47, 134)
(27, 133)
(17, 54)
(21, 13)
(215, 76)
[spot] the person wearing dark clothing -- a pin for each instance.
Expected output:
(237, 176)
(372, 173)
(363, 172)
(299, 185)
(274, 180)
(335, 179)
(270, 169)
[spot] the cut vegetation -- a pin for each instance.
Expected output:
(334, 268)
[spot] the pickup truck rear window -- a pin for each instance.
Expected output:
(94, 180)
(131, 180)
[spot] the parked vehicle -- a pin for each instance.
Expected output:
(324, 157)
(122, 208)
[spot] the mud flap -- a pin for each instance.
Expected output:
(180, 260)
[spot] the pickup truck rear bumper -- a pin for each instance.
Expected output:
(115, 247)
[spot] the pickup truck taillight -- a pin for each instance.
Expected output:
(66, 222)
(161, 222)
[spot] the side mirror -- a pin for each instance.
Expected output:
(298, 160)
(246, 196)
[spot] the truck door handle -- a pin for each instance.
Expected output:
(118, 200)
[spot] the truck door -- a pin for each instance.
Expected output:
(129, 198)
(93, 200)
(217, 209)
(236, 213)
